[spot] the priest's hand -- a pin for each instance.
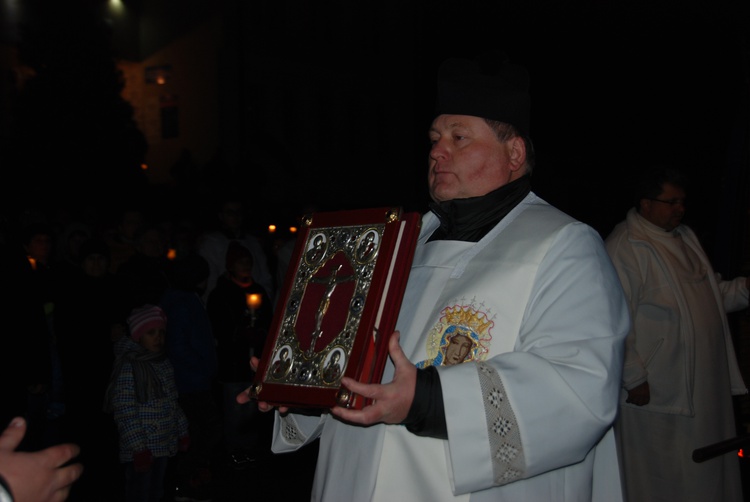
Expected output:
(244, 396)
(639, 395)
(391, 401)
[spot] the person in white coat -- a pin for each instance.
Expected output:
(524, 410)
(680, 368)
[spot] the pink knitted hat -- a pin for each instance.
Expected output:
(145, 318)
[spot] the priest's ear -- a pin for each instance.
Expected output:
(517, 148)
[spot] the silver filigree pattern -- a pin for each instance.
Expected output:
(360, 245)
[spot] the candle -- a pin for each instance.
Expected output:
(253, 300)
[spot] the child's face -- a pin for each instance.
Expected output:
(242, 272)
(153, 339)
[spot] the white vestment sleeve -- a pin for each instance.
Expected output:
(734, 293)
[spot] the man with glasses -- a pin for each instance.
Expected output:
(680, 368)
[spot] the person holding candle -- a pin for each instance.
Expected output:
(43, 397)
(233, 226)
(240, 310)
(25, 369)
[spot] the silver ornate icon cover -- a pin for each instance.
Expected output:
(339, 304)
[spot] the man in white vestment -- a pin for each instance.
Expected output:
(680, 368)
(504, 370)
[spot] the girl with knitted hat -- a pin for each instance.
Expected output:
(142, 394)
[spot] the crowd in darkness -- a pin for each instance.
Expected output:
(73, 276)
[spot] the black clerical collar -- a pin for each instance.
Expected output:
(470, 219)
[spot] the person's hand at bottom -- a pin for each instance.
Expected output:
(40, 476)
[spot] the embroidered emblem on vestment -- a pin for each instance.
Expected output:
(462, 334)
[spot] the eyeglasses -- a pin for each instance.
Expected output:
(671, 202)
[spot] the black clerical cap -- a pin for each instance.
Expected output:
(489, 87)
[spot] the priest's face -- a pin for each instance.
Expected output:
(666, 210)
(468, 160)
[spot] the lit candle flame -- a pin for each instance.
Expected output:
(253, 300)
(32, 261)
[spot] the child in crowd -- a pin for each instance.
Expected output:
(143, 397)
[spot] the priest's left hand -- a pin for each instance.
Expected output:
(391, 401)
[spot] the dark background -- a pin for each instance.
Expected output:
(331, 102)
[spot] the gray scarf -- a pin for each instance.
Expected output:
(147, 385)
